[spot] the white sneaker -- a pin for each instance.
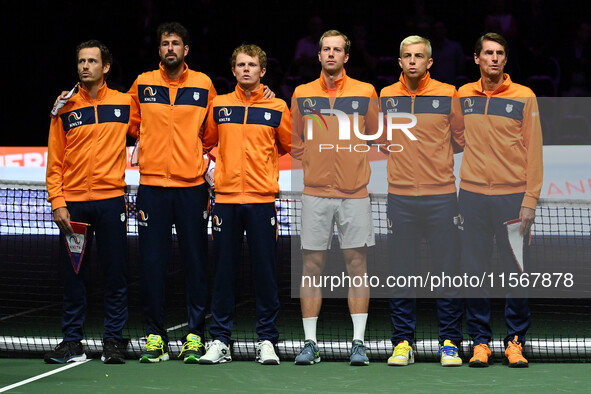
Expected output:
(217, 352)
(266, 353)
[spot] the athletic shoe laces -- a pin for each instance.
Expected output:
(451, 351)
(358, 348)
(193, 344)
(402, 349)
(155, 344)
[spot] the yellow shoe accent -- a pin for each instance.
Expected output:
(402, 354)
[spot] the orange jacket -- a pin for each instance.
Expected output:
(503, 153)
(342, 172)
(426, 166)
(248, 132)
(172, 114)
(86, 150)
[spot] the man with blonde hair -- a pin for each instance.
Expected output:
(422, 201)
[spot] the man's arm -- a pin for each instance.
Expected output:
(54, 176)
(532, 138)
(297, 129)
(456, 121)
(210, 133)
(283, 132)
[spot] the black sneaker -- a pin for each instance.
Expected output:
(66, 352)
(113, 351)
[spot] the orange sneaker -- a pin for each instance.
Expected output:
(513, 353)
(481, 354)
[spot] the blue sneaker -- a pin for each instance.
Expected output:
(310, 354)
(358, 356)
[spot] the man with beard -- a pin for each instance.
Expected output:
(173, 103)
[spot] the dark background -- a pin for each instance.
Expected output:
(40, 39)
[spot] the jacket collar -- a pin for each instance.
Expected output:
(180, 80)
(102, 92)
(255, 95)
(422, 83)
(340, 83)
(504, 86)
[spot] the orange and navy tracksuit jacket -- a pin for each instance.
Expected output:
(249, 132)
(426, 166)
(172, 114)
(86, 148)
(503, 153)
(340, 172)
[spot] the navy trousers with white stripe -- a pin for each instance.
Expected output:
(108, 222)
(412, 218)
(229, 221)
(483, 217)
(187, 209)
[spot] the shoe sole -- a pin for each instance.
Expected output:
(452, 364)
(268, 362)
(218, 361)
(112, 360)
(191, 360)
(146, 359)
(74, 359)
(312, 362)
(518, 364)
(400, 363)
(359, 363)
(478, 364)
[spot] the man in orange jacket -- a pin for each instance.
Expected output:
(501, 179)
(250, 131)
(335, 186)
(173, 102)
(422, 199)
(85, 182)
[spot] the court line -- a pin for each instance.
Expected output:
(43, 375)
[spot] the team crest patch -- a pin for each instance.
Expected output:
(267, 116)
(196, 96)
(509, 108)
(435, 104)
(272, 221)
(122, 217)
(117, 112)
(459, 221)
(355, 104)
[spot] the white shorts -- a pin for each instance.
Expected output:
(352, 216)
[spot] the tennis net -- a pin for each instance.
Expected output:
(31, 288)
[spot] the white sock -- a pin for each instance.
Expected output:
(310, 328)
(359, 320)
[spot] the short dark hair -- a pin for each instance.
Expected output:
(335, 33)
(252, 51)
(106, 57)
(168, 28)
(491, 37)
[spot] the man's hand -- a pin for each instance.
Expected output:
(62, 96)
(527, 216)
(61, 217)
(268, 93)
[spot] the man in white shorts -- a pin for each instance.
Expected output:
(335, 186)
